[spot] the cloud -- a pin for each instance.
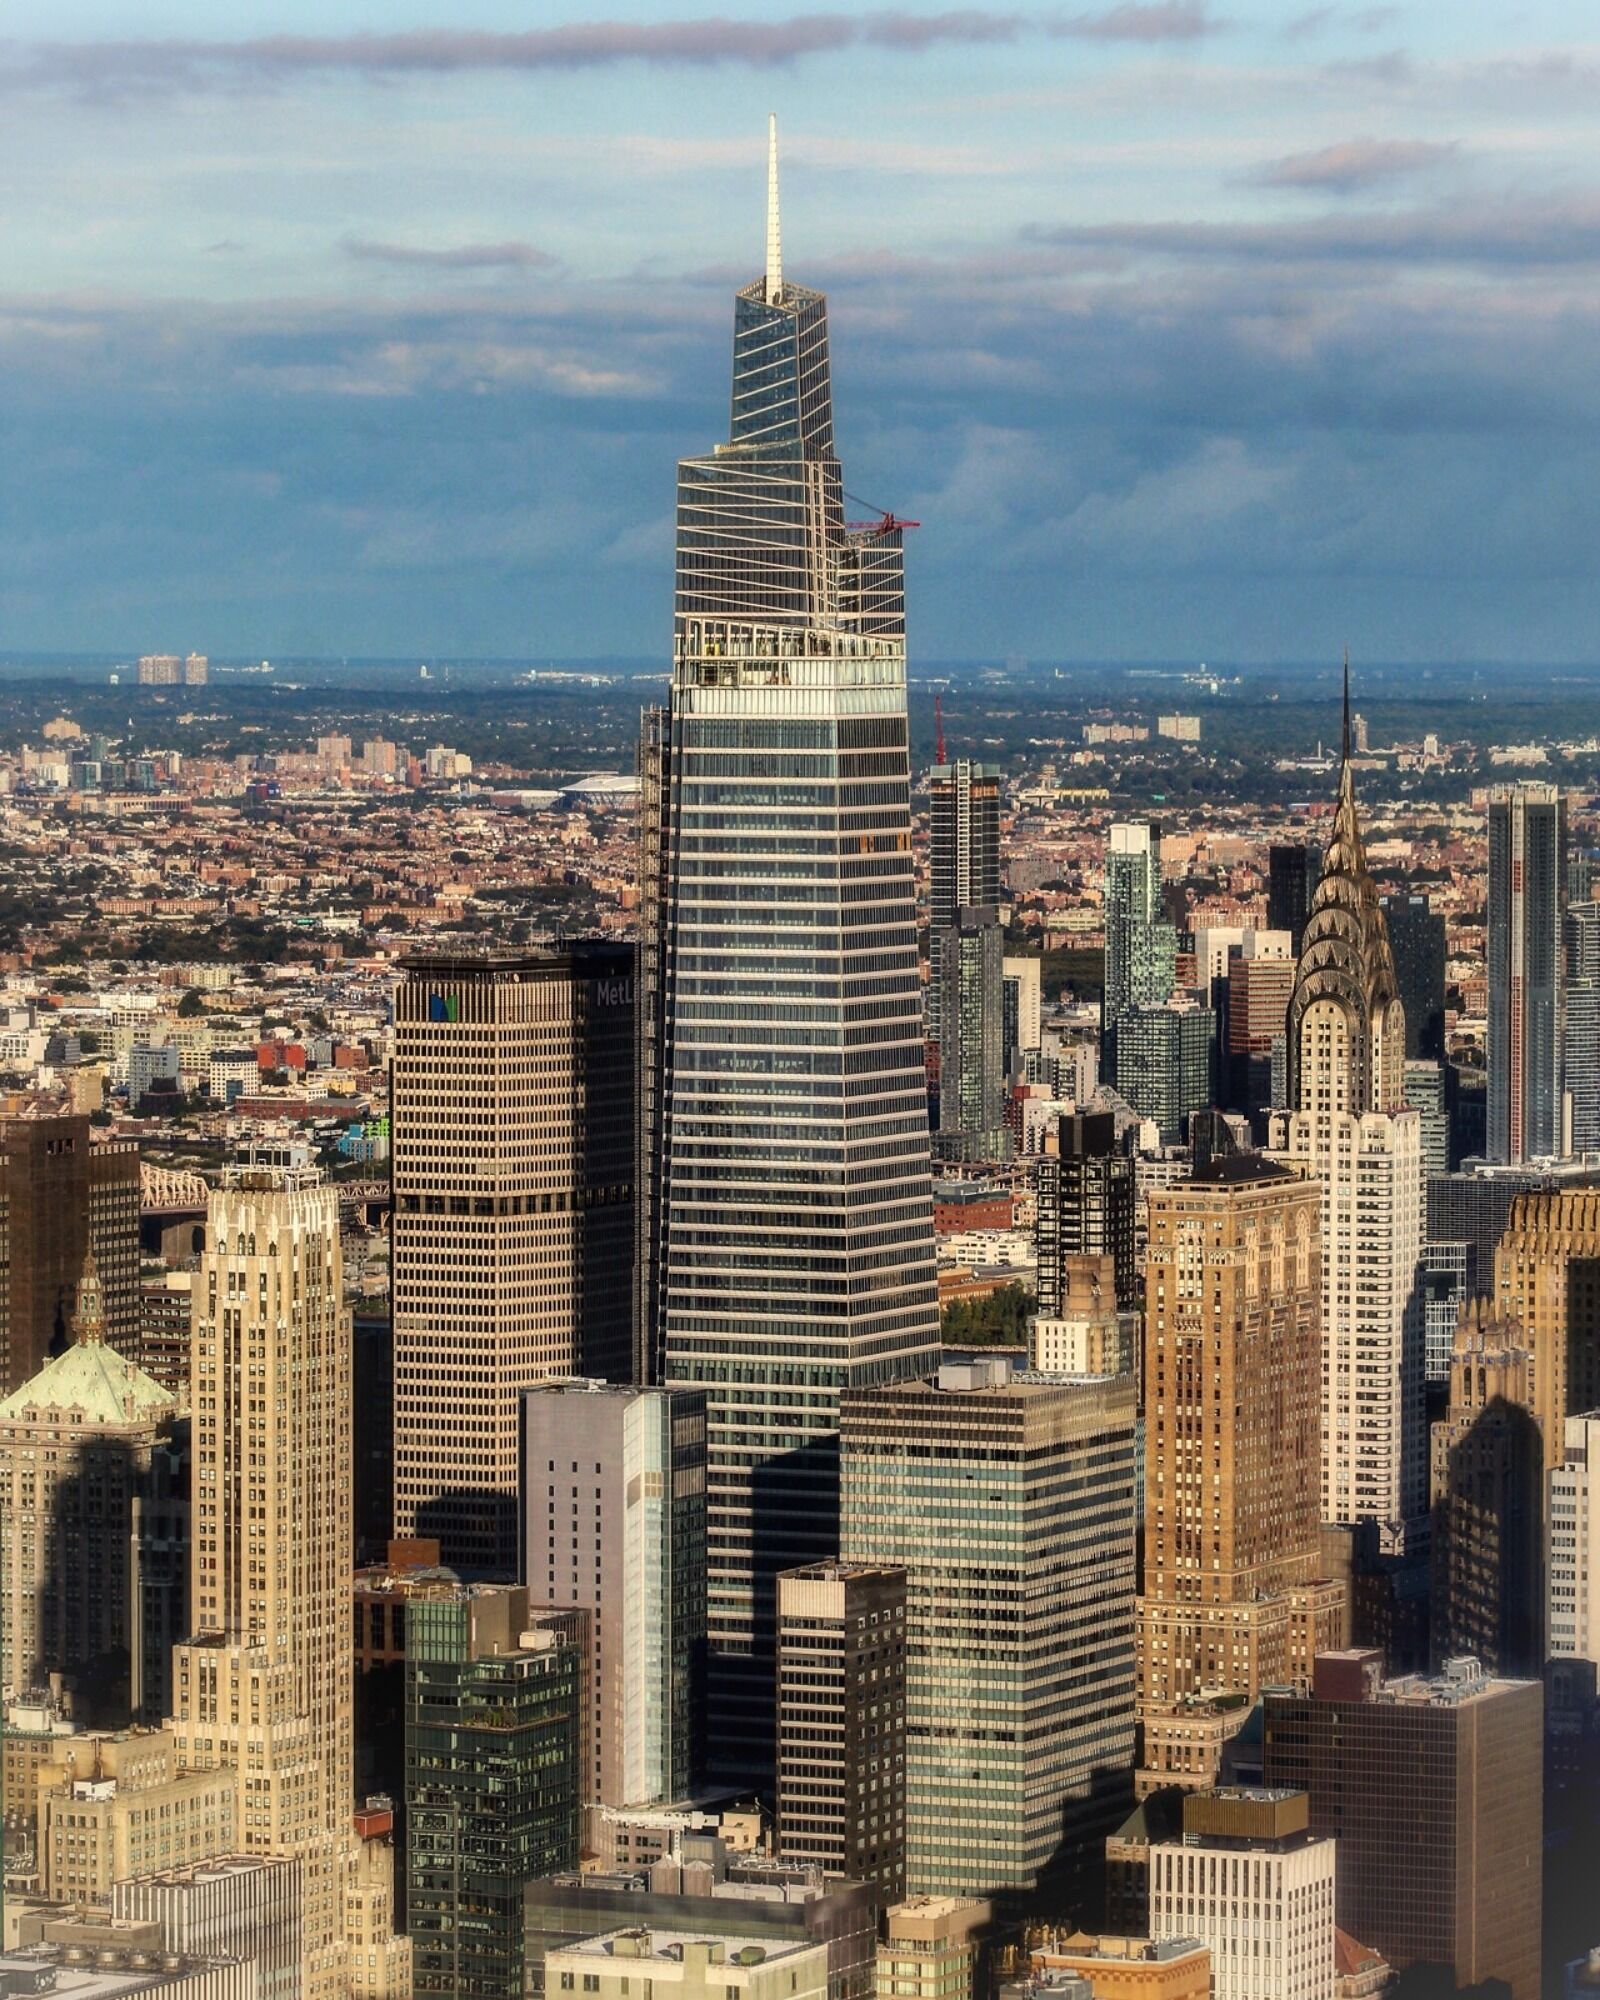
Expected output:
(1157, 21)
(458, 257)
(1506, 234)
(1365, 20)
(1352, 166)
(115, 69)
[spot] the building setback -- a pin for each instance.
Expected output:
(1009, 1501)
(1433, 1788)
(512, 1226)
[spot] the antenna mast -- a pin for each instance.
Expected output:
(774, 245)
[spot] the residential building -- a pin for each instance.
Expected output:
(1141, 947)
(930, 1948)
(614, 1523)
(1255, 1884)
(1527, 972)
(1166, 1063)
(1488, 1501)
(1236, 1596)
(491, 1780)
(1433, 1786)
(61, 1197)
(93, 1527)
(263, 1686)
(788, 1255)
(512, 1227)
(1348, 1129)
(1581, 1045)
(972, 1075)
(963, 860)
(1572, 1618)
(678, 1965)
(1021, 1002)
(115, 1806)
(1085, 1206)
(1258, 995)
(1008, 1499)
(841, 1793)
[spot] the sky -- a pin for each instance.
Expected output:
(1187, 329)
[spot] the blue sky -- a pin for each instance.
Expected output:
(1210, 328)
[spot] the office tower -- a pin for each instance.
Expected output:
(264, 1683)
(1259, 990)
(614, 1523)
(677, 1965)
(1085, 1208)
(841, 1798)
(1572, 1617)
(1255, 1884)
(1292, 874)
(1417, 940)
(793, 1254)
(1166, 1059)
(1089, 1336)
(963, 863)
(1488, 1501)
(1527, 972)
(1008, 1498)
(930, 1948)
(491, 1780)
(241, 1907)
(60, 1196)
(1581, 1055)
(1347, 1129)
(1547, 1279)
(972, 1078)
(1140, 946)
(1475, 1208)
(1449, 1280)
(93, 1527)
(700, 1885)
(1235, 1597)
(1433, 1787)
(1021, 1006)
(512, 1226)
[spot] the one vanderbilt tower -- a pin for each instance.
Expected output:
(787, 1239)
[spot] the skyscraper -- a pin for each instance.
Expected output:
(1547, 1280)
(614, 1523)
(965, 958)
(1292, 873)
(1085, 1209)
(1417, 939)
(793, 1235)
(491, 1781)
(1581, 1055)
(1008, 1499)
(1235, 1595)
(513, 1226)
(265, 1683)
(1141, 947)
(1527, 972)
(1348, 1128)
(1572, 1618)
(1166, 1062)
(841, 1792)
(1488, 1501)
(1433, 1789)
(60, 1197)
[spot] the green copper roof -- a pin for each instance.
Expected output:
(93, 1378)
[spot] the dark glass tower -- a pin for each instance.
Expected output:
(789, 1240)
(965, 953)
(1417, 939)
(1292, 876)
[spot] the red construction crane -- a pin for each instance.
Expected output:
(885, 524)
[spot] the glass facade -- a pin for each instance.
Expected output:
(790, 1235)
(1527, 967)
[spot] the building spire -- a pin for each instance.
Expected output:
(89, 1315)
(1346, 704)
(774, 244)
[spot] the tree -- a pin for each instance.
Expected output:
(191, 1006)
(1000, 1320)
